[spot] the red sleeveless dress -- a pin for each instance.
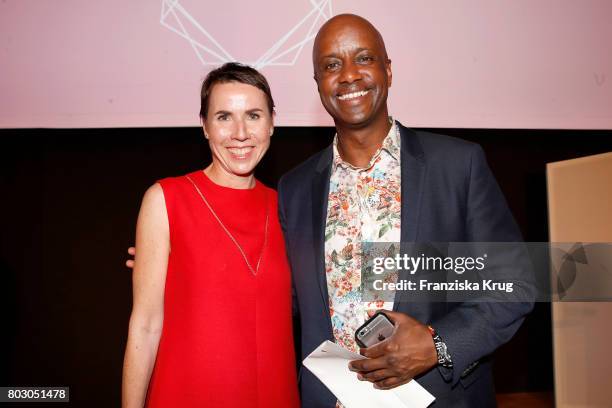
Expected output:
(227, 336)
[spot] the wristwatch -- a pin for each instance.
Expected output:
(444, 359)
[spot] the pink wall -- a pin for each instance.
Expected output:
(457, 63)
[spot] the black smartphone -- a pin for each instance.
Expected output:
(374, 330)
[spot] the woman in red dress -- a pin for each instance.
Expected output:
(211, 318)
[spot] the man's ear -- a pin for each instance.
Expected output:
(389, 71)
(314, 76)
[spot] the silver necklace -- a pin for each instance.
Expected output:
(253, 271)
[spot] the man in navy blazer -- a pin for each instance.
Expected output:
(448, 194)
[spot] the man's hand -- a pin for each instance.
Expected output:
(409, 352)
(130, 262)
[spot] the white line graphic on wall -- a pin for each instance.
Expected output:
(210, 51)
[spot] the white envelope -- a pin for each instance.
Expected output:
(329, 362)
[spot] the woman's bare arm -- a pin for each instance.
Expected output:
(149, 277)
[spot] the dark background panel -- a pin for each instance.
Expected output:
(69, 204)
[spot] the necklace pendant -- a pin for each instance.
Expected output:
(229, 234)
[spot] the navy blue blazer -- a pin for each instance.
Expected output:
(448, 195)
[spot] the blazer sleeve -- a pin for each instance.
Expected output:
(473, 330)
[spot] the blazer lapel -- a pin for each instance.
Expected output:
(413, 178)
(320, 192)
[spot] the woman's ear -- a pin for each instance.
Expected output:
(204, 129)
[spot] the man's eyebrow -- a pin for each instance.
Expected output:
(332, 55)
(254, 110)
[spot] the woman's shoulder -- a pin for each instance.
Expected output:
(153, 194)
(153, 206)
(177, 182)
(271, 192)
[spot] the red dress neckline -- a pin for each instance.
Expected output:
(201, 175)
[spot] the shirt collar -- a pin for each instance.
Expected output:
(391, 144)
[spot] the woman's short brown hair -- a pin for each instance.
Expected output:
(233, 72)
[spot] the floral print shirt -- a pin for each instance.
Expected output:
(364, 205)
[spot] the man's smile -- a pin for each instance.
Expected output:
(352, 95)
